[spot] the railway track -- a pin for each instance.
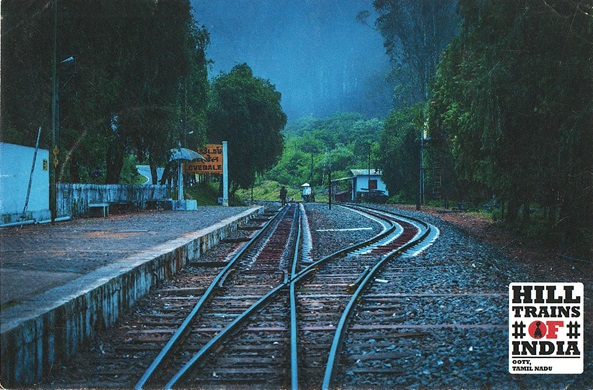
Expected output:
(260, 313)
(254, 270)
(374, 314)
(284, 338)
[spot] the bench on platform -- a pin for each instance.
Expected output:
(96, 208)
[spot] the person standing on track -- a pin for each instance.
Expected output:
(283, 194)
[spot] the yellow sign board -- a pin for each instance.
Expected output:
(213, 164)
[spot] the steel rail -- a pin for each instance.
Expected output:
(294, 356)
(387, 230)
(233, 327)
(223, 335)
(183, 329)
(341, 328)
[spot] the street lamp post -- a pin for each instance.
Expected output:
(55, 119)
(423, 142)
(54, 137)
(420, 198)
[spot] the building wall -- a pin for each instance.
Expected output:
(363, 182)
(71, 199)
(360, 183)
(15, 170)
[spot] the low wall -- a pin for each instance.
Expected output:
(74, 199)
(49, 328)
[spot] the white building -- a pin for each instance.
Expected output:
(365, 181)
(18, 204)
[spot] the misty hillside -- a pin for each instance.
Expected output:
(315, 52)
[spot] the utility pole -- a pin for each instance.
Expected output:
(369, 173)
(53, 166)
(420, 199)
(330, 181)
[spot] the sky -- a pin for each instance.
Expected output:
(314, 51)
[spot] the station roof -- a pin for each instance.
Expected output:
(366, 172)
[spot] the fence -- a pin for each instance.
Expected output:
(74, 199)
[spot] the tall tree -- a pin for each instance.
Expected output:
(514, 92)
(400, 151)
(136, 63)
(245, 111)
(415, 32)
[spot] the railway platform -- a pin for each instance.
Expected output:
(61, 283)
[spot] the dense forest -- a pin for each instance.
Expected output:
(314, 146)
(508, 115)
(130, 83)
(493, 108)
(126, 73)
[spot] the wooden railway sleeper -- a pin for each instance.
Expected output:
(353, 286)
(183, 330)
(226, 275)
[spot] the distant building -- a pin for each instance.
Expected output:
(364, 186)
(367, 185)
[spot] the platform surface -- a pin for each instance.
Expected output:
(37, 258)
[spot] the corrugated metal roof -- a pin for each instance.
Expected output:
(365, 172)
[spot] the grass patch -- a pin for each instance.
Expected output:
(206, 194)
(269, 190)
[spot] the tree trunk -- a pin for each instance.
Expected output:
(115, 162)
(74, 172)
(234, 188)
(513, 210)
(153, 172)
(526, 213)
(552, 214)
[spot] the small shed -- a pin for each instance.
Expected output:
(368, 186)
(307, 193)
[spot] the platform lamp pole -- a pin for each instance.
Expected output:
(54, 137)
(330, 181)
(225, 174)
(423, 143)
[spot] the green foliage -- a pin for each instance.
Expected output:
(513, 96)
(415, 33)
(129, 173)
(205, 193)
(122, 92)
(400, 152)
(312, 144)
(245, 111)
(268, 190)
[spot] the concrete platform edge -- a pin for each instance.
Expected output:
(50, 327)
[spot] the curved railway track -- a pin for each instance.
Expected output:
(260, 313)
(255, 269)
(288, 314)
(290, 335)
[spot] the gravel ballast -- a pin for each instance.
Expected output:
(470, 281)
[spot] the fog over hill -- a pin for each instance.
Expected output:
(315, 52)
